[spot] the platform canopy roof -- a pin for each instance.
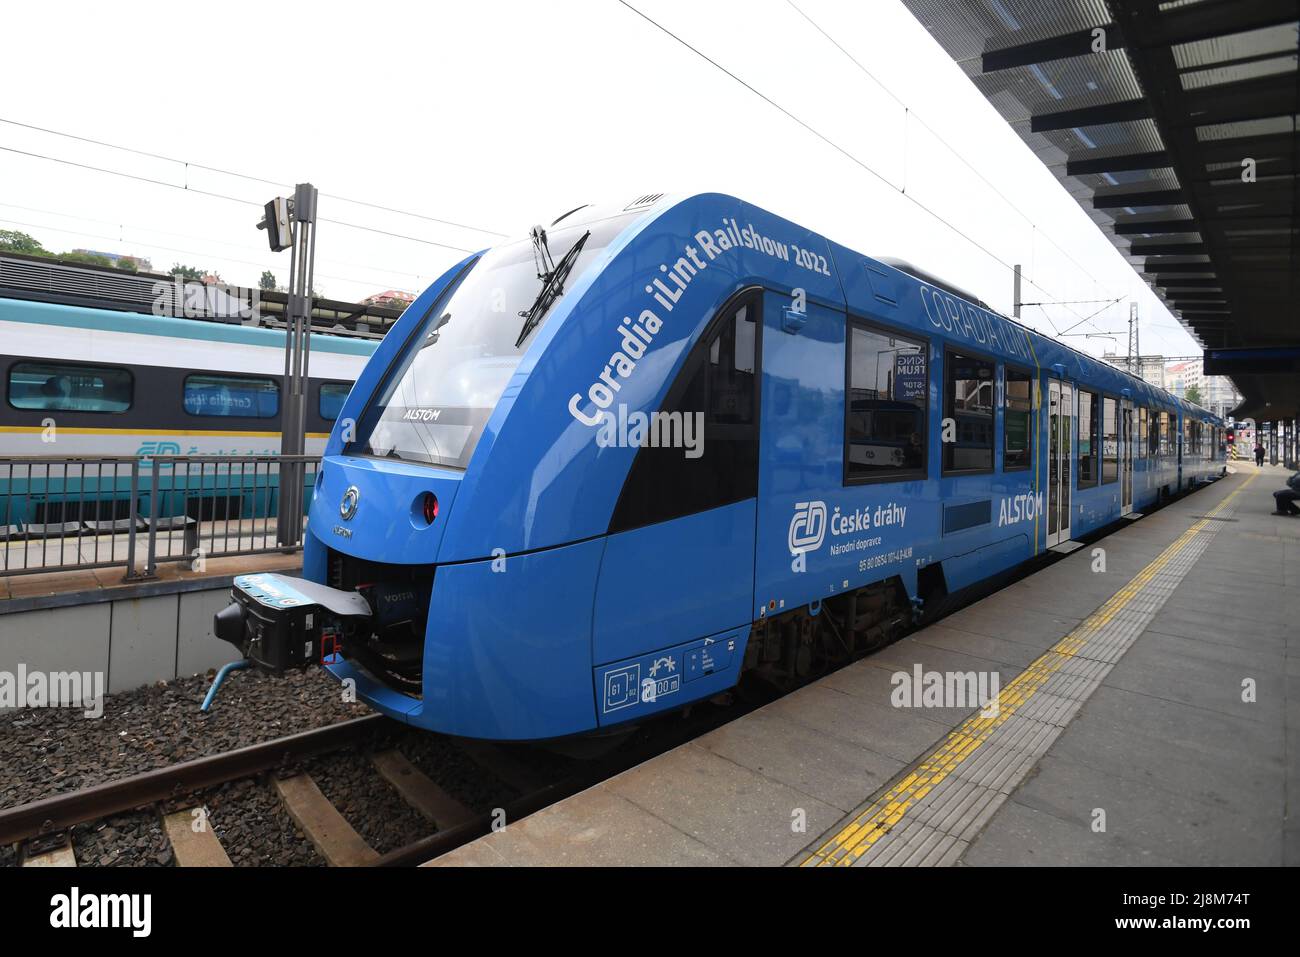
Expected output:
(1174, 126)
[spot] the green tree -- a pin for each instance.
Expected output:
(87, 259)
(1193, 394)
(267, 281)
(12, 241)
(186, 273)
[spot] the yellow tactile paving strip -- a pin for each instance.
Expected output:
(904, 803)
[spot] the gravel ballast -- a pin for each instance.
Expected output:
(45, 751)
(49, 751)
(368, 802)
(123, 840)
(254, 828)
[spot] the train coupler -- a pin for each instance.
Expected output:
(279, 623)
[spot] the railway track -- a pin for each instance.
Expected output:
(43, 828)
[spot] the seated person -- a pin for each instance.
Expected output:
(1286, 498)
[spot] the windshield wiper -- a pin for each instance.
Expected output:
(434, 335)
(552, 277)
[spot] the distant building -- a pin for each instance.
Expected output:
(1217, 393)
(1182, 376)
(388, 297)
(1151, 369)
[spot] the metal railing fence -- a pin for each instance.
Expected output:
(64, 513)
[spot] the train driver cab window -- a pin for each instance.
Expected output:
(968, 402)
(1109, 439)
(330, 402)
(681, 470)
(1017, 420)
(59, 387)
(226, 396)
(885, 403)
(1087, 439)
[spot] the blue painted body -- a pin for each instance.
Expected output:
(580, 619)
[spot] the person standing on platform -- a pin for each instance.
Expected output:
(1259, 454)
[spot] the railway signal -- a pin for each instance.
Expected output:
(290, 223)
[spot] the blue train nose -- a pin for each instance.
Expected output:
(382, 510)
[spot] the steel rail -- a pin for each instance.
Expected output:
(61, 811)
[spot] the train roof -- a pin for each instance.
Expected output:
(655, 205)
(44, 279)
(56, 314)
(938, 282)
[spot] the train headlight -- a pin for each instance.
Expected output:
(430, 507)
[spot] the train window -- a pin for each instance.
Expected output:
(1087, 439)
(1017, 420)
(437, 398)
(1141, 445)
(1153, 436)
(1166, 448)
(718, 387)
(225, 396)
(330, 402)
(885, 395)
(730, 371)
(1109, 439)
(968, 402)
(60, 387)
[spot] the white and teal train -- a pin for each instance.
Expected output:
(84, 378)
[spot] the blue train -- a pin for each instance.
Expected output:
(606, 470)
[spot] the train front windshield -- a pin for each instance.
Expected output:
(436, 401)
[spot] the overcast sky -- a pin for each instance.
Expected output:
(498, 114)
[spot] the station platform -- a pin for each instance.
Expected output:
(1146, 714)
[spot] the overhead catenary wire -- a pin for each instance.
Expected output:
(212, 254)
(837, 147)
(186, 252)
(951, 149)
(909, 113)
(222, 196)
(244, 176)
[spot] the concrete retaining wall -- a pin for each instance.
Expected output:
(134, 638)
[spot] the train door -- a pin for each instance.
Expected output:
(1060, 429)
(679, 559)
(1178, 425)
(1126, 457)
